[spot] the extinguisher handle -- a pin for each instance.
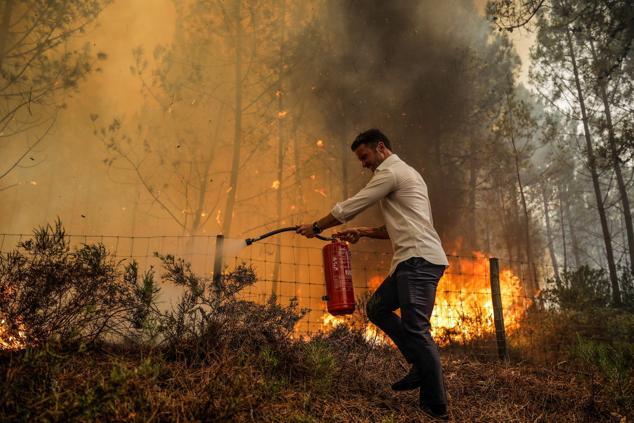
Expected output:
(325, 238)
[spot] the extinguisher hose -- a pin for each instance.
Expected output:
(250, 241)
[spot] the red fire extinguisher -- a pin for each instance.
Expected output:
(338, 274)
(337, 271)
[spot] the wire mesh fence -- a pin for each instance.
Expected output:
(292, 268)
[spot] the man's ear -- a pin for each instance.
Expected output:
(379, 145)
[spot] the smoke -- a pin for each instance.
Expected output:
(407, 68)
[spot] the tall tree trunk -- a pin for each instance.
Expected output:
(472, 241)
(529, 251)
(507, 227)
(576, 249)
(299, 184)
(439, 225)
(198, 222)
(281, 146)
(4, 29)
(616, 165)
(516, 222)
(549, 233)
(237, 130)
(344, 166)
(563, 227)
(607, 238)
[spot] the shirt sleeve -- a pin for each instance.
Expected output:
(382, 183)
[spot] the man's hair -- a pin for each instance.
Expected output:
(371, 138)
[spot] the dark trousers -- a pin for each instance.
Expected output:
(412, 288)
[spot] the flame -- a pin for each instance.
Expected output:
(9, 342)
(275, 184)
(374, 282)
(320, 143)
(370, 332)
(464, 309)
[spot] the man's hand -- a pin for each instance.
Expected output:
(351, 235)
(306, 230)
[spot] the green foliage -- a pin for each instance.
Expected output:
(582, 331)
(626, 281)
(586, 287)
(614, 364)
(580, 289)
(321, 365)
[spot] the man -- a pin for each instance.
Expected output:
(417, 265)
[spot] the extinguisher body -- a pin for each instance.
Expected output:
(338, 274)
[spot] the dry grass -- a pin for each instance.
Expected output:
(332, 378)
(214, 357)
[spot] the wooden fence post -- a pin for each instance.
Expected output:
(217, 278)
(498, 316)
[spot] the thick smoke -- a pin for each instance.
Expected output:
(407, 68)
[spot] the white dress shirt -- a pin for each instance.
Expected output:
(404, 203)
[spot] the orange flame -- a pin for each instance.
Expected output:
(464, 309)
(370, 332)
(9, 342)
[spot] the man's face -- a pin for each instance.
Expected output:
(370, 157)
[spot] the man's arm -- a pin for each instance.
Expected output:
(353, 235)
(379, 232)
(324, 223)
(381, 184)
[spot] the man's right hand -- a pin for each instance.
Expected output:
(351, 235)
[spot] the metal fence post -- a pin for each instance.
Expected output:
(217, 278)
(498, 316)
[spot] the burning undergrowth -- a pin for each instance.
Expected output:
(213, 356)
(463, 313)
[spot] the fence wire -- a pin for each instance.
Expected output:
(292, 267)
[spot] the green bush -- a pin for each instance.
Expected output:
(579, 289)
(587, 287)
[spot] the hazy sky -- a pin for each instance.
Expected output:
(65, 177)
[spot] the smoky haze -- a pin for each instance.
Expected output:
(408, 68)
(145, 146)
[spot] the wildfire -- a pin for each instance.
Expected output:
(464, 309)
(370, 332)
(9, 342)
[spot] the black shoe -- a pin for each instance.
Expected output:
(438, 412)
(411, 381)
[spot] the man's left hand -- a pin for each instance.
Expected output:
(306, 230)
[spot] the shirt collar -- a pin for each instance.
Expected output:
(387, 162)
